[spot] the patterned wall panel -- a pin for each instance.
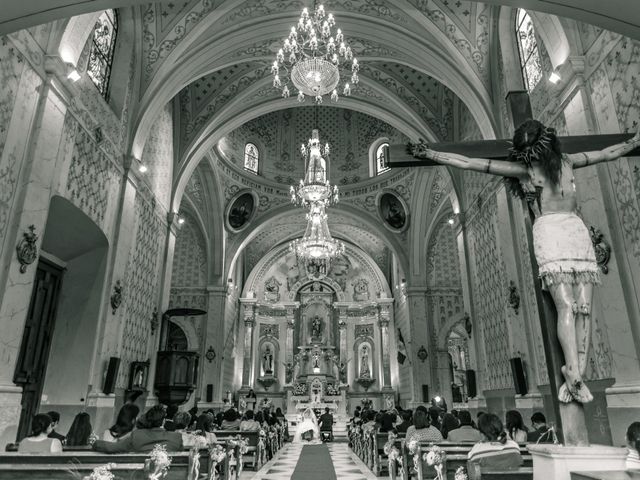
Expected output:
(158, 156)
(489, 293)
(443, 264)
(140, 285)
(189, 257)
(93, 179)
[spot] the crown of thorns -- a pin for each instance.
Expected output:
(534, 151)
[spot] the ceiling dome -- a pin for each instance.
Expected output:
(278, 136)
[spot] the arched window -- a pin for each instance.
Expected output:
(381, 158)
(528, 49)
(103, 43)
(251, 158)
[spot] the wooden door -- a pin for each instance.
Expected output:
(36, 342)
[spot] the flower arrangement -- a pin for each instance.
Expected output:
(103, 472)
(412, 446)
(435, 457)
(393, 453)
(241, 446)
(332, 390)
(157, 465)
(217, 454)
(300, 389)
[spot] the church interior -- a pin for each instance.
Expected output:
(259, 235)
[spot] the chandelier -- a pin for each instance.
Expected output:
(317, 246)
(314, 188)
(314, 55)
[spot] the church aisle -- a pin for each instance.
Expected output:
(347, 466)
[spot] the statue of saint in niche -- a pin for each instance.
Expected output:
(365, 371)
(316, 328)
(267, 361)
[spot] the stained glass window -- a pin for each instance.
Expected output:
(528, 49)
(102, 48)
(251, 158)
(381, 159)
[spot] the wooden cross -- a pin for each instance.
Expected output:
(570, 418)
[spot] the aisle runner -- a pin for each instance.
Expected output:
(314, 463)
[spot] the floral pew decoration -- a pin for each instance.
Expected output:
(217, 455)
(240, 446)
(394, 457)
(156, 467)
(434, 457)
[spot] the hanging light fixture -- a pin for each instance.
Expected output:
(315, 186)
(314, 55)
(317, 245)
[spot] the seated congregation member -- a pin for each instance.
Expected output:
(80, 433)
(172, 410)
(55, 420)
(231, 420)
(181, 422)
(436, 416)
(387, 422)
(249, 424)
(515, 426)
(449, 423)
(495, 451)
(422, 430)
(633, 444)
(407, 421)
(125, 423)
(204, 428)
(144, 439)
(465, 432)
(39, 441)
(540, 433)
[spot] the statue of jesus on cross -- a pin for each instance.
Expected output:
(537, 169)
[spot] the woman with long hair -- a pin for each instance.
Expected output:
(38, 441)
(125, 423)
(516, 429)
(496, 450)
(422, 430)
(449, 422)
(539, 171)
(80, 431)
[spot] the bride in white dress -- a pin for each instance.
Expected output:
(308, 423)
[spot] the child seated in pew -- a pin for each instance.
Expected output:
(497, 451)
(38, 441)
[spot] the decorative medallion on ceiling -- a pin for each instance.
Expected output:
(315, 60)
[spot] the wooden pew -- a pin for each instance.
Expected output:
(380, 460)
(607, 475)
(85, 460)
(522, 473)
(254, 454)
(57, 471)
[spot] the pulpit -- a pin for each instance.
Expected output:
(176, 376)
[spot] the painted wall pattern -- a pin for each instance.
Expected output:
(158, 156)
(141, 285)
(189, 256)
(489, 287)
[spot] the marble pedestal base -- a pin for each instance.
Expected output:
(557, 462)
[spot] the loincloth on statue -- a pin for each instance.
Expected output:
(563, 249)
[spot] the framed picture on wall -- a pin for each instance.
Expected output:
(138, 375)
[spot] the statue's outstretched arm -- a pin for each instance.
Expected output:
(584, 159)
(493, 167)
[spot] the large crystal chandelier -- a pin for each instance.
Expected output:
(314, 56)
(315, 186)
(317, 247)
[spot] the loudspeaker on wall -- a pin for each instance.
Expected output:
(209, 392)
(519, 379)
(471, 384)
(112, 375)
(425, 393)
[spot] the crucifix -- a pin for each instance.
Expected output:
(538, 167)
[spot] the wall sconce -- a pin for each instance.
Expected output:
(468, 326)
(27, 250)
(116, 296)
(514, 296)
(422, 354)
(154, 320)
(210, 354)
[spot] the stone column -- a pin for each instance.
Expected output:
(342, 332)
(213, 335)
(384, 307)
(249, 316)
(420, 334)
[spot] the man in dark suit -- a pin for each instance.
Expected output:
(143, 440)
(326, 424)
(541, 433)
